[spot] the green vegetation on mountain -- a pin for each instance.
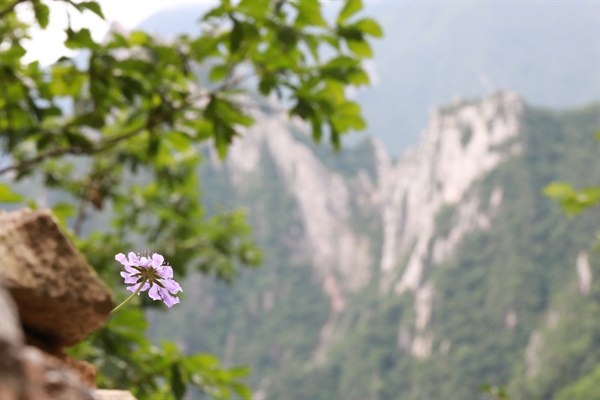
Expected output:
(508, 308)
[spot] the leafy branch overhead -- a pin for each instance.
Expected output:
(114, 136)
(138, 85)
(137, 103)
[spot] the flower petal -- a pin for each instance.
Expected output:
(157, 260)
(122, 259)
(171, 286)
(153, 293)
(129, 278)
(169, 300)
(144, 262)
(133, 259)
(166, 272)
(135, 287)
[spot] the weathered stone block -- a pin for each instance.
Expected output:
(26, 372)
(59, 297)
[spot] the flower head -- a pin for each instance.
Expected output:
(152, 274)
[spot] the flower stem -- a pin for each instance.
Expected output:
(117, 308)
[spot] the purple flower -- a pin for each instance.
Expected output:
(152, 274)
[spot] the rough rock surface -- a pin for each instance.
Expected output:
(49, 298)
(104, 394)
(27, 372)
(59, 297)
(11, 341)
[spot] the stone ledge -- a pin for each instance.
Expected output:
(59, 297)
(105, 394)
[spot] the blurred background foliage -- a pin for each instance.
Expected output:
(114, 133)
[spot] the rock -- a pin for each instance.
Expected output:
(87, 372)
(49, 378)
(104, 394)
(59, 296)
(11, 341)
(10, 332)
(27, 372)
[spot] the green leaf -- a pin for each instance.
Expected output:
(370, 27)
(130, 319)
(360, 48)
(90, 5)
(179, 141)
(8, 196)
(219, 72)
(350, 8)
(558, 190)
(267, 83)
(241, 390)
(66, 80)
(350, 33)
(573, 202)
(347, 116)
(254, 8)
(341, 61)
(63, 211)
(358, 78)
(80, 39)
(14, 53)
(41, 12)
(218, 11)
(236, 36)
(177, 385)
(588, 196)
(222, 146)
(139, 38)
(309, 13)
(201, 361)
(288, 37)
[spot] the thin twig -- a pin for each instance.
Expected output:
(81, 215)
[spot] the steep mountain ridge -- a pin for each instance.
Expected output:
(381, 276)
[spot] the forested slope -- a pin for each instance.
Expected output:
(507, 289)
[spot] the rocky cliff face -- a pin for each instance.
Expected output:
(432, 260)
(461, 145)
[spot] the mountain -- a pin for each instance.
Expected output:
(434, 52)
(417, 278)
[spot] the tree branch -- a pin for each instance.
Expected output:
(10, 8)
(70, 150)
(106, 144)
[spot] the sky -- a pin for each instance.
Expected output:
(46, 45)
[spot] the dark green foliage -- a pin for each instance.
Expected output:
(584, 388)
(466, 135)
(445, 220)
(260, 306)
